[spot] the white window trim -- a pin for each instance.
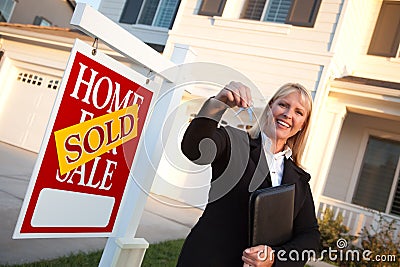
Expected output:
(392, 191)
(151, 28)
(360, 156)
(140, 14)
(265, 11)
(266, 7)
(157, 12)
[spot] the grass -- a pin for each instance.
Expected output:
(164, 254)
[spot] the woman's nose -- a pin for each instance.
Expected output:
(287, 114)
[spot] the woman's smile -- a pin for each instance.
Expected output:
(283, 123)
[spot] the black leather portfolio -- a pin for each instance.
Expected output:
(271, 215)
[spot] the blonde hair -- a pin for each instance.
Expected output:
(298, 141)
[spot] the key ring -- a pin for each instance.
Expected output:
(249, 111)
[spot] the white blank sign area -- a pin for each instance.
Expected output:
(59, 208)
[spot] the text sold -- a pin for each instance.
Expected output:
(85, 141)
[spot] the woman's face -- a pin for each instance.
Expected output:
(289, 116)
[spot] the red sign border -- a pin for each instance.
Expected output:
(86, 50)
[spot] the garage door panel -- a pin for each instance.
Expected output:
(27, 111)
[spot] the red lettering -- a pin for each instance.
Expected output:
(109, 133)
(132, 124)
(86, 143)
(73, 148)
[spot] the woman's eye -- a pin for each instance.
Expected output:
(300, 113)
(282, 104)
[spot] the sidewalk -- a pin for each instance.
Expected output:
(159, 221)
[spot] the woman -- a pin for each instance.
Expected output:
(239, 166)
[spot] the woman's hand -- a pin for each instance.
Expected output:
(235, 94)
(258, 256)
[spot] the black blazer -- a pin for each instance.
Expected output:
(239, 167)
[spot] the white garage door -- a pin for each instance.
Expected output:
(26, 108)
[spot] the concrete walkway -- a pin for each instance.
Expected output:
(159, 221)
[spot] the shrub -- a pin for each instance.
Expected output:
(332, 230)
(378, 239)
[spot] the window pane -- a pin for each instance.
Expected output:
(5, 9)
(303, 12)
(166, 13)
(377, 173)
(131, 11)
(254, 9)
(212, 7)
(149, 9)
(386, 37)
(278, 10)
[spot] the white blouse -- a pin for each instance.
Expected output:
(275, 161)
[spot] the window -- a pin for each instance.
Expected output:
(30, 78)
(386, 37)
(295, 12)
(212, 7)
(158, 13)
(53, 84)
(6, 8)
(41, 21)
(378, 185)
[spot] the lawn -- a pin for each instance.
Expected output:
(164, 254)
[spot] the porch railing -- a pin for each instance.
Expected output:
(356, 217)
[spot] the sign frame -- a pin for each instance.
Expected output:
(130, 74)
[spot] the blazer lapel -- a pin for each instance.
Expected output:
(294, 175)
(261, 171)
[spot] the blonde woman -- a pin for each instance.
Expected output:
(269, 154)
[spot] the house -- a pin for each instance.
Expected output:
(36, 39)
(345, 51)
(148, 20)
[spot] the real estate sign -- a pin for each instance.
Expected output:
(85, 160)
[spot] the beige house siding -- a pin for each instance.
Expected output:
(338, 184)
(270, 54)
(40, 56)
(112, 8)
(267, 73)
(351, 56)
(351, 47)
(353, 33)
(148, 34)
(380, 68)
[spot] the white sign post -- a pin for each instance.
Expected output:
(95, 134)
(123, 249)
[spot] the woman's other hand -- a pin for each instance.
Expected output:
(235, 94)
(258, 256)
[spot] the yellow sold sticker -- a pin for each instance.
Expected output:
(83, 142)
